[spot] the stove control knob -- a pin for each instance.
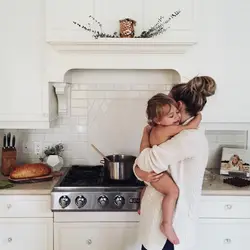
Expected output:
(119, 201)
(64, 201)
(80, 201)
(103, 200)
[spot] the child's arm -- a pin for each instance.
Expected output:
(164, 133)
(147, 176)
(145, 139)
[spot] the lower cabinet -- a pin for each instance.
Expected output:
(96, 236)
(223, 234)
(26, 234)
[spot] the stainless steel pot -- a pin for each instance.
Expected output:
(119, 166)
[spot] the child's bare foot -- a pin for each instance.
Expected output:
(168, 231)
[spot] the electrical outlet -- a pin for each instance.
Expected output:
(38, 148)
(26, 148)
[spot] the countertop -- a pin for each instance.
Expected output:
(212, 185)
(38, 188)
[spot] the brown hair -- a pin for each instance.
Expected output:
(155, 107)
(194, 93)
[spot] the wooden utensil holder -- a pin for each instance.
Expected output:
(8, 160)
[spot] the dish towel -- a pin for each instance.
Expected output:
(5, 184)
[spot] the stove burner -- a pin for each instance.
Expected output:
(83, 176)
(94, 176)
(236, 181)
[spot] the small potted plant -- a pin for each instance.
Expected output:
(53, 156)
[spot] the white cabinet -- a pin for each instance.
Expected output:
(26, 234)
(96, 236)
(221, 234)
(224, 223)
(61, 14)
(25, 95)
(26, 222)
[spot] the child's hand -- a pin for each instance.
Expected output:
(147, 129)
(152, 177)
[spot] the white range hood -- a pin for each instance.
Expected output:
(113, 53)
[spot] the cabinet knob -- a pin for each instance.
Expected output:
(227, 241)
(9, 206)
(10, 239)
(89, 241)
(228, 207)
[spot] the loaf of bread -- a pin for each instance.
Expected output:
(30, 171)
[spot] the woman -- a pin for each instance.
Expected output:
(185, 157)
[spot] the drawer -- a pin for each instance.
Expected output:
(25, 206)
(223, 234)
(225, 207)
(26, 233)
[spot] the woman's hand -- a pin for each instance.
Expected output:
(147, 176)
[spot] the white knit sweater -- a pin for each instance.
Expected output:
(185, 155)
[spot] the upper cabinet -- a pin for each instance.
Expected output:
(60, 16)
(40, 44)
(26, 99)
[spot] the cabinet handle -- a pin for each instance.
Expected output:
(228, 207)
(9, 206)
(89, 241)
(227, 241)
(10, 239)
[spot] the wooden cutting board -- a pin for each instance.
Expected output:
(32, 180)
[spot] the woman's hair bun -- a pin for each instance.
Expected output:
(204, 85)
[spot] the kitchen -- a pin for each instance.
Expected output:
(94, 82)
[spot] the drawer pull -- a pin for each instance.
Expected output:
(227, 241)
(89, 241)
(10, 239)
(228, 207)
(9, 206)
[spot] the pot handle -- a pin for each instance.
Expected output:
(102, 162)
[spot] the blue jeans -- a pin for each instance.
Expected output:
(168, 246)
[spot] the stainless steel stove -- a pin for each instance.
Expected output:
(87, 188)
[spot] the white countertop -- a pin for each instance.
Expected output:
(39, 188)
(211, 186)
(215, 186)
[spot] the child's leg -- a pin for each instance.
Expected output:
(167, 187)
(141, 196)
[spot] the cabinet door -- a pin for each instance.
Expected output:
(26, 234)
(22, 50)
(223, 234)
(95, 236)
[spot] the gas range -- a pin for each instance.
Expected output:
(87, 188)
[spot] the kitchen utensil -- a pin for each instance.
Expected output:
(8, 154)
(98, 151)
(120, 166)
(13, 141)
(4, 141)
(8, 139)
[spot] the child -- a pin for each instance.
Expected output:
(164, 120)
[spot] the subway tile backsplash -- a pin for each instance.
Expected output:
(219, 139)
(107, 108)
